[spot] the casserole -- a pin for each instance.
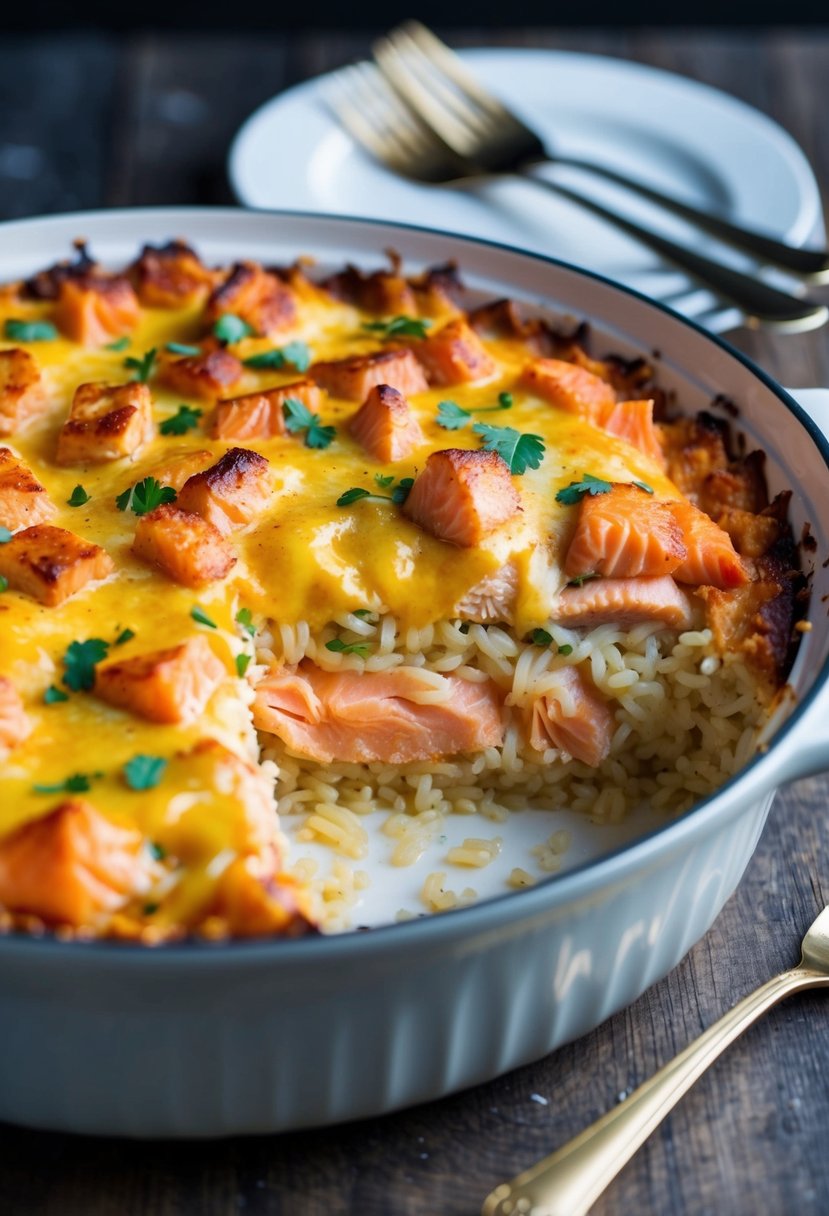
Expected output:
(197, 1040)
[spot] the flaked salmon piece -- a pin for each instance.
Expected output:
(492, 599)
(72, 866)
(385, 426)
(171, 685)
(232, 492)
(22, 394)
(205, 376)
(387, 716)
(174, 470)
(23, 500)
(456, 355)
(14, 721)
(625, 533)
(50, 564)
(353, 379)
(186, 547)
(259, 298)
(711, 559)
(574, 718)
(251, 901)
(461, 496)
(94, 309)
(261, 415)
(633, 421)
(170, 276)
(106, 422)
(625, 602)
(570, 387)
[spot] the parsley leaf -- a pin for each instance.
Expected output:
(643, 485)
(242, 664)
(157, 851)
(398, 495)
(144, 772)
(505, 401)
(341, 647)
(185, 420)
(244, 617)
(354, 495)
(296, 353)
(29, 331)
(581, 579)
(451, 416)
(362, 613)
(201, 618)
(145, 496)
(401, 491)
(78, 783)
(183, 348)
(144, 367)
(78, 497)
(299, 418)
(540, 637)
(230, 328)
(565, 649)
(79, 663)
(118, 344)
(5, 535)
(4, 583)
(399, 327)
(384, 481)
(577, 489)
(126, 635)
(54, 694)
(519, 452)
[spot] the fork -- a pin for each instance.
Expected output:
(568, 1182)
(385, 125)
(479, 127)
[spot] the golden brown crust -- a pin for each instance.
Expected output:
(50, 564)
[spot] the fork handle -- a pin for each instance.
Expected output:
(760, 303)
(569, 1181)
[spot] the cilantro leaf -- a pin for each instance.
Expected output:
(242, 664)
(54, 694)
(126, 635)
(401, 491)
(362, 613)
(5, 535)
(354, 495)
(157, 851)
(79, 663)
(643, 485)
(201, 618)
(118, 344)
(505, 401)
(338, 646)
(399, 327)
(577, 489)
(144, 367)
(144, 772)
(78, 497)
(540, 637)
(384, 481)
(78, 783)
(296, 353)
(398, 495)
(229, 328)
(186, 419)
(519, 452)
(451, 416)
(299, 418)
(183, 348)
(244, 617)
(145, 496)
(29, 331)
(565, 649)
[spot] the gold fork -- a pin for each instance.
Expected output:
(569, 1181)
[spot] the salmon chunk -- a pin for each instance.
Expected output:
(171, 685)
(253, 903)
(492, 599)
(461, 496)
(72, 866)
(456, 355)
(260, 415)
(50, 564)
(174, 470)
(571, 388)
(633, 421)
(388, 716)
(170, 276)
(186, 547)
(94, 309)
(14, 722)
(353, 379)
(106, 422)
(205, 376)
(385, 426)
(624, 533)
(259, 298)
(624, 602)
(574, 718)
(232, 492)
(711, 559)
(23, 500)
(22, 395)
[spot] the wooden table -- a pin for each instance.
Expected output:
(89, 121)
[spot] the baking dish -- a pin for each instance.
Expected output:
(199, 1040)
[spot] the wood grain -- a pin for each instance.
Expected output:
(149, 121)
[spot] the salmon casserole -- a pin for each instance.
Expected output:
(347, 547)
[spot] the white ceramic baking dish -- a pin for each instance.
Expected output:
(197, 1040)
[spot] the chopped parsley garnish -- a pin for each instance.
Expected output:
(299, 418)
(183, 348)
(79, 663)
(230, 328)
(4, 583)
(201, 618)
(118, 344)
(78, 783)
(399, 327)
(126, 635)
(384, 480)
(29, 331)
(643, 485)
(540, 637)
(144, 367)
(242, 664)
(54, 694)
(581, 579)
(296, 353)
(145, 496)
(341, 647)
(5, 535)
(453, 417)
(576, 490)
(519, 451)
(505, 401)
(398, 495)
(78, 497)
(362, 613)
(151, 909)
(144, 772)
(186, 419)
(565, 649)
(244, 617)
(157, 851)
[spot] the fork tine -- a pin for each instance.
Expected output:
(441, 56)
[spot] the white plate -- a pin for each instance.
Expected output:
(678, 135)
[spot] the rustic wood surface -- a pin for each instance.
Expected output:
(88, 121)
